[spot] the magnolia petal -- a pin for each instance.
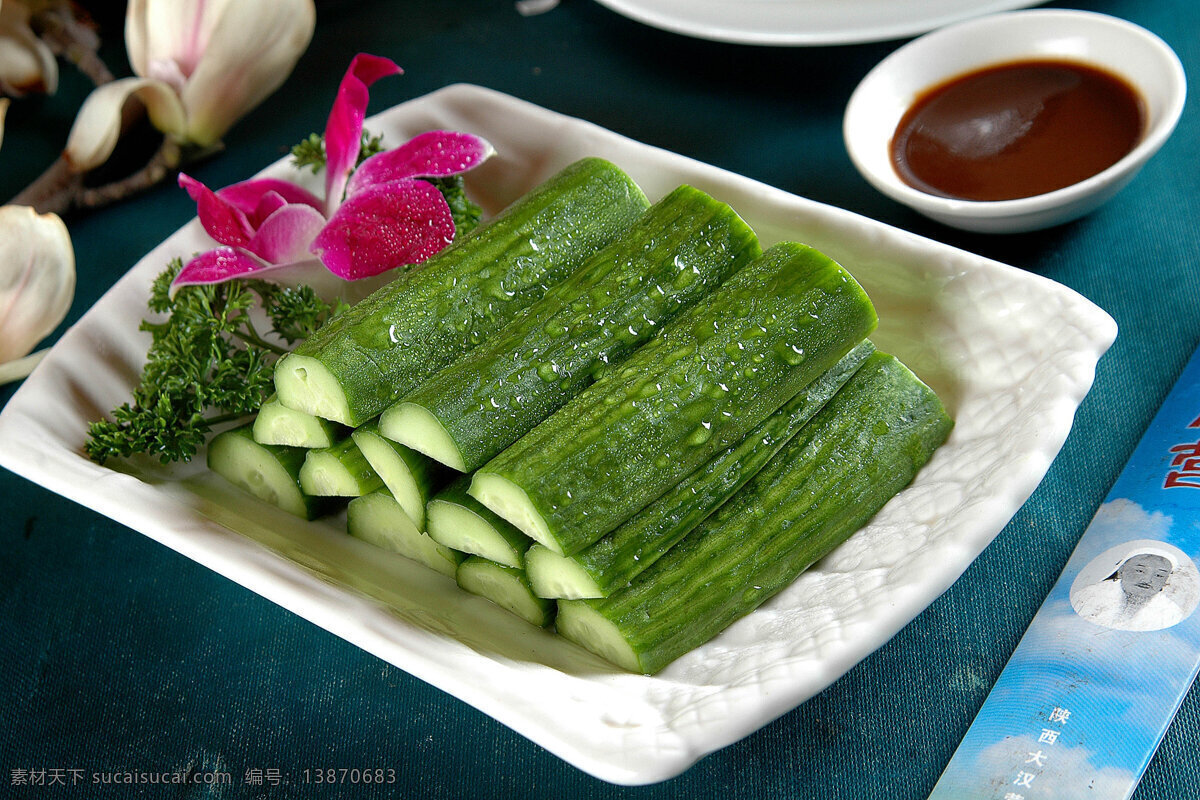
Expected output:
(4, 101)
(217, 266)
(343, 130)
(26, 63)
(221, 220)
(20, 368)
(384, 227)
(247, 195)
(435, 154)
(163, 32)
(250, 52)
(98, 124)
(37, 278)
(169, 73)
(286, 234)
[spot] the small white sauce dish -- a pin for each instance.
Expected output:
(1118, 47)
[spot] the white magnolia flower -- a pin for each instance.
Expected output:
(37, 280)
(37, 283)
(26, 62)
(201, 65)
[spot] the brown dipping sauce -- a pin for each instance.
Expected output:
(1016, 130)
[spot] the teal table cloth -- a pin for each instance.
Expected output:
(118, 655)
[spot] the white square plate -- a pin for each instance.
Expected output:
(1011, 354)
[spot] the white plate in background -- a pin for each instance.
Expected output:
(805, 22)
(1011, 354)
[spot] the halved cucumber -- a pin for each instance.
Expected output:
(269, 472)
(279, 425)
(713, 374)
(460, 521)
(510, 502)
(622, 555)
(420, 429)
(669, 260)
(507, 587)
(411, 477)
(338, 471)
(377, 518)
(560, 577)
(366, 358)
(862, 448)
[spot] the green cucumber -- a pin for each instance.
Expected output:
(411, 477)
(507, 587)
(683, 247)
(269, 472)
(377, 518)
(460, 521)
(712, 375)
(277, 424)
(363, 360)
(618, 558)
(338, 471)
(862, 448)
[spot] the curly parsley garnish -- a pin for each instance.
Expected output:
(310, 153)
(207, 364)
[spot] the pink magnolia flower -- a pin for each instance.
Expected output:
(373, 218)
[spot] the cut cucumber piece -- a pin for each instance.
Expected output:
(377, 518)
(862, 448)
(622, 555)
(680, 250)
(563, 577)
(588, 626)
(460, 521)
(416, 427)
(510, 502)
(412, 478)
(507, 587)
(365, 359)
(269, 472)
(338, 471)
(712, 375)
(279, 425)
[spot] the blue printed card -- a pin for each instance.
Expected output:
(1093, 685)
